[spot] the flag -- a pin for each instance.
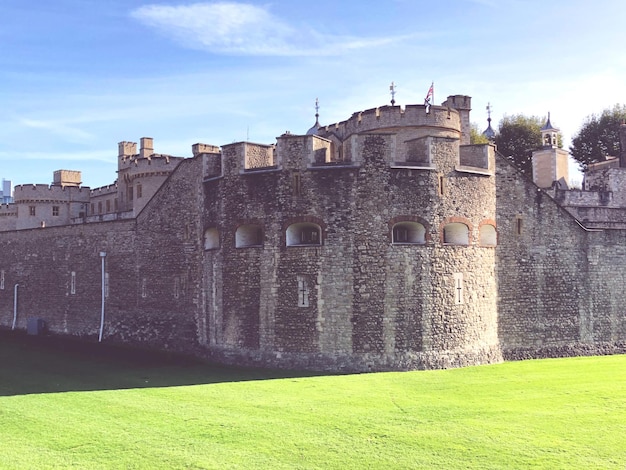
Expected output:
(430, 95)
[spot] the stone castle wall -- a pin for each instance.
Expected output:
(220, 262)
(557, 281)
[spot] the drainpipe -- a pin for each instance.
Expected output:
(15, 306)
(102, 257)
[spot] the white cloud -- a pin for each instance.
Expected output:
(72, 134)
(244, 29)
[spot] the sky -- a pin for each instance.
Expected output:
(79, 76)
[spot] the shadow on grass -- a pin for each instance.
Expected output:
(48, 364)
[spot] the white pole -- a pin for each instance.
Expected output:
(15, 306)
(102, 256)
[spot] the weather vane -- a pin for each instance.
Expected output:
(392, 89)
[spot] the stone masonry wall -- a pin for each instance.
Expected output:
(556, 285)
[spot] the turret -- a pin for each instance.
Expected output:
(550, 162)
(463, 104)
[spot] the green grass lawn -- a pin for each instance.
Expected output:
(89, 406)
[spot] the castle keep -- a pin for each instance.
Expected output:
(383, 242)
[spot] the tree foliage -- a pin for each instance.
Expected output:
(517, 137)
(476, 136)
(598, 137)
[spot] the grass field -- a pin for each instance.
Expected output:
(65, 405)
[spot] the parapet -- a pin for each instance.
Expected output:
(198, 149)
(389, 117)
(43, 193)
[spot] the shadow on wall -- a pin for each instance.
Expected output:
(49, 364)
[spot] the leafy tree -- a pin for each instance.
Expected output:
(476, 136)
(518, 136)
(598, 137)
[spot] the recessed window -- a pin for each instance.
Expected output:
(304, 233)
(139, 191)
(108, 205)
(488, 235)
(211, 239)
(248, 235)
(100, 207)
(73, 283)
(409, 232)
(456, 233)
(55, 211)
(31, 210)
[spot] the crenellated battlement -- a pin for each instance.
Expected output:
(388, 117)
(104, 190)
(50, 193)
(8, 210)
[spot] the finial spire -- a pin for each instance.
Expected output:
(317, 112)
(392, 89)
(489, 132)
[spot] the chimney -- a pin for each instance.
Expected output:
(146, 147)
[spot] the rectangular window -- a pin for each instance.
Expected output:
(144, 288)
(130, 193)
(303, 292)
(115, 204)
(93, 208)
(31, 210)
(139, 191)
(297, 184)
(73, 283)
(2, 280)
(518, 225)
(108, 205)
(55, 211)
(442, 185)
(100, 207)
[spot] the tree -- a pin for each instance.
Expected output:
(598, 137)
(518, 136)
(476, 136)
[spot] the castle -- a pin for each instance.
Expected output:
(383, 242)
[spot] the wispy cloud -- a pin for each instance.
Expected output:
(245, 29)
(70, 133)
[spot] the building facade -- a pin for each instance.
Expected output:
(383, 242)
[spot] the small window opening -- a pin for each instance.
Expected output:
(248, 235)
(442, 185)
(55, 211)
(211, 239)
(297, 184)
(304, 233)
(456, 234)
(409, 232)
(518, 225)
(31, 210)
(73, 283)
(303, 292)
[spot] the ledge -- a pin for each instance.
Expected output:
(474, 170)
(408, 165)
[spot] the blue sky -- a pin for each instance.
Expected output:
(79, 76)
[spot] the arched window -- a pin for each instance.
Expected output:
(211, 239)
(409, 232)
(304, 233)
(248, 235)
(456, 233)
(488, 236)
